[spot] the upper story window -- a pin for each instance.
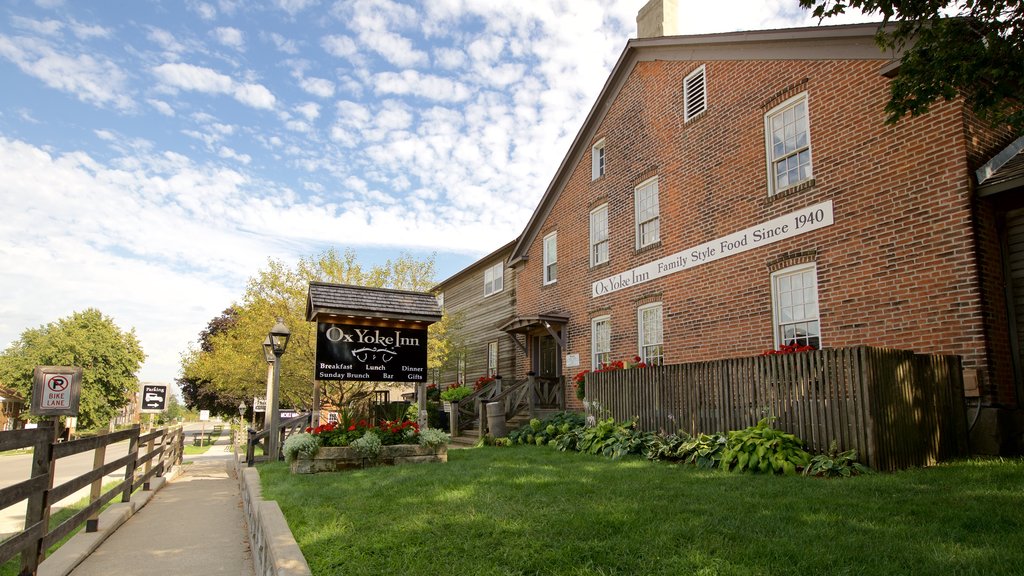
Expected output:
(599, 235)
(551, 258)
(695, 95)
(597, 160)
(788, 138)
(651, 339)
(601, 341)
(648, 226)
(795, 306)
(494, 279)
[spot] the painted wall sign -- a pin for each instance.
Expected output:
(56, 390)
(370, 353)
(154, 398)
(793, 224)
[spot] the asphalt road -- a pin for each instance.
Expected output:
(16, 468)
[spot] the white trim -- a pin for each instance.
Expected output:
(688, 91)
(640, 343)
(497, 281)
(553, 260)
(769, 158)
(794, 271)
(636, 212)
(594, 364)
(606, 241)
(598, 160)
(493, 369)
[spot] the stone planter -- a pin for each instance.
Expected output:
(334, 458)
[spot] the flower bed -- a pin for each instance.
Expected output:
(335, 458)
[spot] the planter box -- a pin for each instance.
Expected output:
(334, 458)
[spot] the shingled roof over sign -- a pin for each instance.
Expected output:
(342, 300)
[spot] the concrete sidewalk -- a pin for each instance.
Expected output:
(193, 525)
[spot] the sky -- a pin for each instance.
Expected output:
(155, 154)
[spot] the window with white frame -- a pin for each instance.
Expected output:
(648, 225)
(551, 258)
(695, 96)
(651, 340)
(599, 235)
(788, 139)
(460, 373)
(795, 306)
(597, 160)
(492, 358)
(601, 341)
(494, 279)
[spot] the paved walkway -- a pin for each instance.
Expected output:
(193, 525)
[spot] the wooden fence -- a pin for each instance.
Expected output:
(896, 408)
(149, 455)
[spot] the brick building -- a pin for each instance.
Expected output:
(731, 193)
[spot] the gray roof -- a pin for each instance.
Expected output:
(1004, 172)
(345, 300)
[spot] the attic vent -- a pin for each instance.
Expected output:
(695, 96)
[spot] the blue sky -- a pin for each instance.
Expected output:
(155, 153)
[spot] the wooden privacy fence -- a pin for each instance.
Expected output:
(896, 408)
(148, 456)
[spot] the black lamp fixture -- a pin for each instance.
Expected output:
(279, 336)
(268, 351)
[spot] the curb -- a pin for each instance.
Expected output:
(81, 545)
(274, 549)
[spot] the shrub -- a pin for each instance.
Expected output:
(434, 438)
(368, 446)
(703, 451)
(302, 445)
(607, 438)
(455, 393)
(762, 448)
(836, 464)
(548, 429)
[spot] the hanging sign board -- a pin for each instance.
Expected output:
(259, 403)
(154, 399)
(56, 390)
(370, 353)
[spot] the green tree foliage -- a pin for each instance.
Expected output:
(109, 357)
(978, 54)
(229, 362)
(199, 394)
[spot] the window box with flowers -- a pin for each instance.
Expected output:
(332, 447)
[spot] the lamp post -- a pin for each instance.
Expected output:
(276, 343)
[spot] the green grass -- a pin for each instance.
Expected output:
(191, 449)
(530, 510)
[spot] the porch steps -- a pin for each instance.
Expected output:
(470, 436)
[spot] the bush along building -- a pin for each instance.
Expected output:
(735, 193)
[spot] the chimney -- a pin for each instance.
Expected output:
(657, 18)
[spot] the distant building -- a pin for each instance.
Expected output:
(12, 405)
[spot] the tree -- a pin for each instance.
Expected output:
(231, 360)
(201, 394)
(108, 357)
(978, 55)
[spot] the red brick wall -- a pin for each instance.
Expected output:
(895, 270)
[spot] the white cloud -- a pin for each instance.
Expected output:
(44, 27)
(166, 40)
(340, 46)
(205, 11)
(230, 37)
(411, 82)
(395, 49)
(49, 3)
(161, 106)
(284, 44)
(293, 7)
(449, 58)
(94, 80)
(317, 86)
(88, 32)
(310, 110)
(231, 154)
(201, 79)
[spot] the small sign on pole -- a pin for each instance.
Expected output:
(259, 403)
(154, 398)
(204, 415)
(56, 390)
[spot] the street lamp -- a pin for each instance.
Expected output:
(278, 339)
(241, 410)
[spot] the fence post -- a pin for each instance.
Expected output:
(482, 429)
(150, 447)
(99, 458)
(453, 419)
(531, 394)
(250, 448)
(38, 506)
(129, 469)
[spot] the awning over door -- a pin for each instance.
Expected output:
(553, 323)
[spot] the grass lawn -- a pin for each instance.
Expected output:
(534, 510)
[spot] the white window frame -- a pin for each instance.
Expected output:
(551, 258)
(774, 159)
(652, 350)
(599, 235)
(647, 213)
(460, 368)
(809, 318)
(492, 358)
(494, 279)
(600, 341)
(598, 160)
(695, 97)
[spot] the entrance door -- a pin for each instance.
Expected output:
(547, 365)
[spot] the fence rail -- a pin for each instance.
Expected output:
(896, 408)
(149, 455)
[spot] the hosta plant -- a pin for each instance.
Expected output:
(762, 448)
(836, 464)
